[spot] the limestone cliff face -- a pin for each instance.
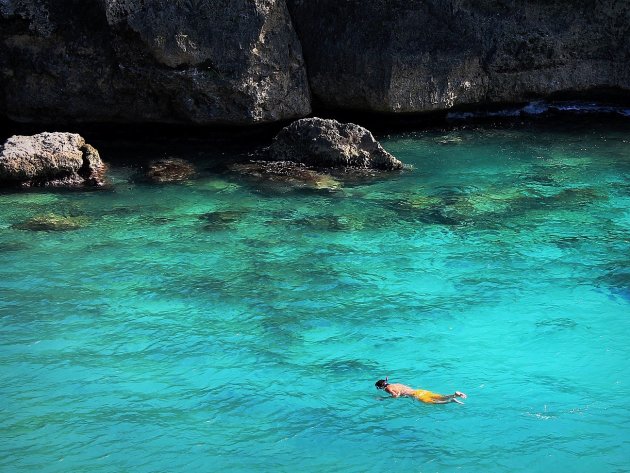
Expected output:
(186, 61)
(241, 62)
(424, 55)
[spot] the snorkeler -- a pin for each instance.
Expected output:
(397, 390)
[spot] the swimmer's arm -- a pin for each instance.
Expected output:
(392, 395)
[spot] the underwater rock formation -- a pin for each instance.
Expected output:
(169, 61)
(221, 219)
(329, 223)
(51, 223)
(50, 159)
(169, 170)
(286, 174)
(330, 144)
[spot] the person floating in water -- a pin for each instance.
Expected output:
(398, 390)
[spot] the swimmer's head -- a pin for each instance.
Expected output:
(381, 383)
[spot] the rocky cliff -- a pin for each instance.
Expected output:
(423, 55)
(190, 61)
(241, 62)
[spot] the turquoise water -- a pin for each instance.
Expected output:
(161, 336)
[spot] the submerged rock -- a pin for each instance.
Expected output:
(50, 159)
(287, 173)
(617, 281)
(329, 223)
(169, 170)
(457, 208)
(221, 219)
(428, 210)
(6, 247)
(51, 223)
(329, 144)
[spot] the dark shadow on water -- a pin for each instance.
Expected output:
(618, 281)
(557, 324)
(218, 220)
(13, 246)
(133, 144)
(349, 368)
(330, 223)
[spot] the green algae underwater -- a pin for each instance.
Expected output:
(225, 323)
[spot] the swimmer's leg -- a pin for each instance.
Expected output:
(447, 399)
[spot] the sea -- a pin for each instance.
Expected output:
(231, 323)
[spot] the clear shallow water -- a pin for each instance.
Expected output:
(153, 340)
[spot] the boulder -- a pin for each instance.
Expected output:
(232, 62)
(169, 170)
(329, 144)
(50, 159)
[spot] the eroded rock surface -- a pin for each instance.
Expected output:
(169, 61)
(329, 144)
(50, 159)
(240, 62)
(427, 55)
(169, 170)
(287, 174)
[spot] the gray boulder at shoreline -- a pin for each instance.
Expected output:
(50, 159)
(324, 143)
(244, 62)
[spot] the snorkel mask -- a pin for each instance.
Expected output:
(382, 383)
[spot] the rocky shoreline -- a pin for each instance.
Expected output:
(303, 153)
(315, 153)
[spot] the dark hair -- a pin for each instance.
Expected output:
(381, 384)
